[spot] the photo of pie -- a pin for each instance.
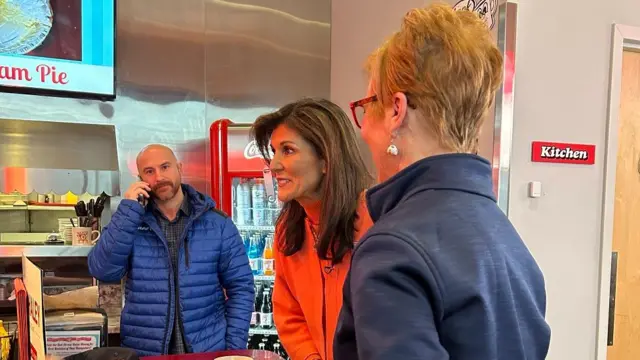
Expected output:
(24, 25)
(43, 28)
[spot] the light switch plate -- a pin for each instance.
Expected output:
(535, 189)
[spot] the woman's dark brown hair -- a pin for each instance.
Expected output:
(328, 129)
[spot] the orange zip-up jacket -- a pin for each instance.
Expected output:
(307, 296)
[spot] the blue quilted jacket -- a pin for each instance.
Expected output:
(211, 258)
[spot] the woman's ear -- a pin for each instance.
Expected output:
(399, 114)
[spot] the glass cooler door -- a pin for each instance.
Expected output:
(255, 210)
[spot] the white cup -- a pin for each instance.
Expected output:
(83, 236)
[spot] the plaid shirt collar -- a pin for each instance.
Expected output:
(185, 207)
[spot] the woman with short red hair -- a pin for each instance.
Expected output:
(442, 274)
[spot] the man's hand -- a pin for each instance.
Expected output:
(137, 188)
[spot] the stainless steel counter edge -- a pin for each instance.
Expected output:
(44, 250)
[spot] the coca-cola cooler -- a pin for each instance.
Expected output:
(242, 186)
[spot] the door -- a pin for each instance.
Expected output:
(626, 224)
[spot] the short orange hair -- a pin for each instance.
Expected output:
(448, 65)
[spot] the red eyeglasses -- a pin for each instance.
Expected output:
(358, 110)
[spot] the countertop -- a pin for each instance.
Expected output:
(253, 354)
(44, 250)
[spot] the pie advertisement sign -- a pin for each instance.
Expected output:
(66, 47)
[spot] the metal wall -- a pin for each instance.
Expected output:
(183, 64)
(360, 26)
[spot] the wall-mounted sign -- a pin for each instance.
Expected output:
(32, 277)
(485, 9)
(551, 152)
(59, 47)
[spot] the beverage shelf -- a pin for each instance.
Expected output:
(259, 331)
(8, 304)
(264, 277)
(255, 228)
(37, 207)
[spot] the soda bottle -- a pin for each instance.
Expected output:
(273, 207)
(254, 255)
(261, 241)
(258, 201)
(255, 320)
(266, 342)
(267, 257)
(277, 348)
(280, 350)
(253, 341)
(245, 240)
(243, 203)
(266, 311)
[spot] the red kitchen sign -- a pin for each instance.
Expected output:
(551, 152)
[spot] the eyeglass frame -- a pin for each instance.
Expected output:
(369, 99)
(360, 103)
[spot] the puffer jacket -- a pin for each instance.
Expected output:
(211, 258)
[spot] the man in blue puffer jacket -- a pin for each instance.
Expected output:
(180, 256)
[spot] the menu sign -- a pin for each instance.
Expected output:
(40, 74)
(66, 343)
(32, 277)
(61, 46)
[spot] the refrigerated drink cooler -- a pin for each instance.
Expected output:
(242, 186)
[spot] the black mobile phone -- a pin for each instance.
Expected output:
(141, 199)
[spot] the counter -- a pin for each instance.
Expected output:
(254, 354)
(44, 250)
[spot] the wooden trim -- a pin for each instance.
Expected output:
(624, 37)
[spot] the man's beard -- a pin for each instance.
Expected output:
(165, 196)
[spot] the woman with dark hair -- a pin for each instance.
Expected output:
(313, 154)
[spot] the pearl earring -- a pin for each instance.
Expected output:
(392, 150)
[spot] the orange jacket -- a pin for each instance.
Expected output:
(305, 290)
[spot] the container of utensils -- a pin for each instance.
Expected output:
(88, 220)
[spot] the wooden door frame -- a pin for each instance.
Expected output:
(624, 38)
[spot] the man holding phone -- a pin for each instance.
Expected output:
(181, 255)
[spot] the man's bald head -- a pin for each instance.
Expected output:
(159, 167)
(155, 149)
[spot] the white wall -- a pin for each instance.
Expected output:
(562, 75)
(357, 28)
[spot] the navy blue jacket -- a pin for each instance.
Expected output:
(442, 274)
(211, 258)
